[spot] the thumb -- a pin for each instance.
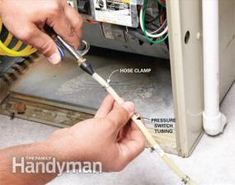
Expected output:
(43, 43)
(120, 115)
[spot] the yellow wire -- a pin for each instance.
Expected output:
(17, 46)
(126, 1)
(4, 50)
(9, 52)
(8, 39)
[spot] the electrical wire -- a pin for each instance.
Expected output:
(152, 20)
(158, 41)
(151, 40)
(142, 26)
(162, 9)
(16, 51)
(162, 4)
(160, 28)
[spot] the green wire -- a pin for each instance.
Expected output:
(150, 40)
(158, 41)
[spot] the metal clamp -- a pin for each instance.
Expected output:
(85, 47)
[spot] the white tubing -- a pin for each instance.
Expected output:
(153, 144)
(213, 120)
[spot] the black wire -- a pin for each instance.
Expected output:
(154, 26)
(153, 19)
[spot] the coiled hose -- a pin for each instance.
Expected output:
(11, 46)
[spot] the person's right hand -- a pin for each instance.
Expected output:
(110, 138)
(26, 18)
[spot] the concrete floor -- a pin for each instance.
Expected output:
(212, 162)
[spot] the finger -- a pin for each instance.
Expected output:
(133, 144)
(116, 105)
(123, 132)
(75, 20)
(62, 27)
(120, 115)
(105, 107)
(41, 41)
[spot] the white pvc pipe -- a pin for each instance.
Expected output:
(213, 120)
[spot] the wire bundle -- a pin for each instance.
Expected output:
(155, 37)
(11, 46)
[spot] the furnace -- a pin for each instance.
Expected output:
(153, 58)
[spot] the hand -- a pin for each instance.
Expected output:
(26, 18)
(110, 137)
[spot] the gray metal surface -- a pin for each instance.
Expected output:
(8, 74)
(122, 41)
(208, 165)
(6, 63)
(227, 45)
(66, 83)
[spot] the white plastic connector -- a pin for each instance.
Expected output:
(214, 125)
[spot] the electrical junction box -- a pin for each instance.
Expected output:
(120, 12)
(116, 12)
(164, 80)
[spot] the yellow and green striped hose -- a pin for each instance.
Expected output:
(11, 46)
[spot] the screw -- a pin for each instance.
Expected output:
(20, 108)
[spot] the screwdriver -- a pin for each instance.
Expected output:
(155, 147)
